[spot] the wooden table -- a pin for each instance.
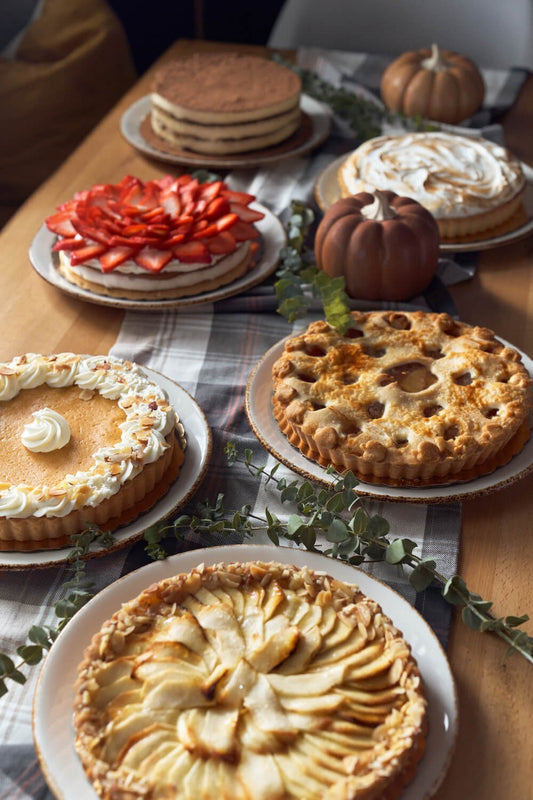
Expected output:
(494, 754)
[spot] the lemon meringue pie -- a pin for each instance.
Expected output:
(471, 185)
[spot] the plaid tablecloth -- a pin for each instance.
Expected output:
(210, 351)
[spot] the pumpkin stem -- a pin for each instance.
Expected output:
(380, 209)
(435, 62)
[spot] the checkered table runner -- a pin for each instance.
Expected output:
(210, 351)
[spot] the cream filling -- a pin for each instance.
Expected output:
(452, 176)
(149, 419)
(175, 275)
(207, 117)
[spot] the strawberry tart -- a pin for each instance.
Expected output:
(161, 239)
(224, 103)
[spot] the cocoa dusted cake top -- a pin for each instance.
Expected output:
(225, 82)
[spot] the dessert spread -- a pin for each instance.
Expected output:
(469, 184)
(84, 440)
(249, 681)
(159, 239)
(403, 398)
(225, 103)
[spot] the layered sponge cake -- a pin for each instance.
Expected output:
(225, 103)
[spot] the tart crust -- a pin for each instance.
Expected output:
(403, 398)
(249, 681)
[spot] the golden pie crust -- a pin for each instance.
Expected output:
(249, 681)
(403, 398)
(126, 448)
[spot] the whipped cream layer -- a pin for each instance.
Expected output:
(149, 418)
(451, 175)
(176, 275)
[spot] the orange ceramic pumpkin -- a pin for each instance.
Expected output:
(437, 84)
(385, 246)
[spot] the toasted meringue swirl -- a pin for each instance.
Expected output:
(451, 175)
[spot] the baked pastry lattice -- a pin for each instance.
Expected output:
(403, 398)
(250, 681)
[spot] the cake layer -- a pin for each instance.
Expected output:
(141, 285)
(224, 88)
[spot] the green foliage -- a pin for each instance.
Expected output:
(297, 271)
(334, 516)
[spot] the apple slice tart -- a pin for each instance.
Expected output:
(249, 681)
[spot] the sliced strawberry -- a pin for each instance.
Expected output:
(227, 221)
(86, 253)
(204, 231)
(208, 191)
(242, 231)
(74, 243)
(152, 259)
(192, 252)
(117, 255)
(217, 208)
(173, 240)
(221, 244)
(238, 197)
(245, 213)
(61, 224)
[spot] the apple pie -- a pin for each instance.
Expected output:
(403, 398)
(249, 681)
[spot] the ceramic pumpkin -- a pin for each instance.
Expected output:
(437, 84)
(385, 246)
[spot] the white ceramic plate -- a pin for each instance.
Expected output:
(318, 113)
(327, 191)
(273, 237)
(198, 453)
(52, 707)
(258, 407)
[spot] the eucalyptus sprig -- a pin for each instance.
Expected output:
(333, 521)
(78, 591)
(298, 279)
(329, 520)
(364, 116)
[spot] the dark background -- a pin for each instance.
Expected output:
(153, 25)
